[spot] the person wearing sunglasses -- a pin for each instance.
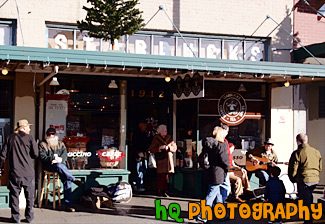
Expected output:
(53, 155)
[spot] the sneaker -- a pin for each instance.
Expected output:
(199, 219)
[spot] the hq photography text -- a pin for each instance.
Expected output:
(257, 211)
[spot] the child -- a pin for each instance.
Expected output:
(274, 189)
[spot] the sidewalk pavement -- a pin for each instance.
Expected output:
(141, 209)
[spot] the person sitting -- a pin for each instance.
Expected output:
(53, 155)
(264, 152)
(238, 178)
(275, 190)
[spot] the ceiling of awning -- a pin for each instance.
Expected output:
(43, 60)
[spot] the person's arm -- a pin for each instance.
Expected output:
(224, 163)
(34, 148)
(293, 167)
(63, 154)
(172, 146)
(45, 155)
(155, 146)
(3, 153)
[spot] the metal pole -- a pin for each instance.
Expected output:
(161, 7)
(269, 17)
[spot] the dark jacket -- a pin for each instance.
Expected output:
(275, 190)
(47, 153)
(218, 159)
(20, 148)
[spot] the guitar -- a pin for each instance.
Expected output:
(262, 165)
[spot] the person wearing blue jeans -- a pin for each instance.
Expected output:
(53, 155)
(216, 174)
(141, 171)
(141, 143)
(262, 176)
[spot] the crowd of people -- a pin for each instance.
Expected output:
(223, 176)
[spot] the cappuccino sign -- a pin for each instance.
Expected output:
(232, 108)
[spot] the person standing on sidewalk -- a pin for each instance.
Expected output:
(20, 148)
(53, 154)
(305, 164)
(141, 144)
(216, 174)
(163, 146)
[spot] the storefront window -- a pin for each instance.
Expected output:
(254, 51)
(119, 45)
(250, 130)
(5, 35)
(84, 42)
(161, 43)
(233, 50)
(210, 49)
(7, 32)
(139, 44)
(92, 123)
(164, 46)
(60, 39)
(185, 50)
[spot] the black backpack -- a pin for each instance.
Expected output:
(204, 160)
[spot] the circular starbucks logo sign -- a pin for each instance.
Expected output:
(232, 108)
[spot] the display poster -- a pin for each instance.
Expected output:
(188, 86)
(108, 137)
(56, 113)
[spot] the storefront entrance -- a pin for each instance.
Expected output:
(149, 101)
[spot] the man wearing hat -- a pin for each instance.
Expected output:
(20, 148)
(53, 154)
(265, 151)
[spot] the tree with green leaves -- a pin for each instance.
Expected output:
(111, 19)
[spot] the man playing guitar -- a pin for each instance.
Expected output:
(266, 152)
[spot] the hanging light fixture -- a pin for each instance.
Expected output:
(167, 78)
(113, 85)
(287, 84)
(241, 88)
(4, 71)
(54, 82)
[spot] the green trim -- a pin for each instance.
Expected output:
(15, 53)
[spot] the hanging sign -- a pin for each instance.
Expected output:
(232, 108)
(56, 113)
(188, 86)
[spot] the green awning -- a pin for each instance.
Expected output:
(117, 59)
(318, 50)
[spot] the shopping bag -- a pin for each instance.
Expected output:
(152, 161)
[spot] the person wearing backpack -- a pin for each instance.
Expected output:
(215, 175)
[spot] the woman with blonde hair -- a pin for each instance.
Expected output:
(215, 176)
(163, 147)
